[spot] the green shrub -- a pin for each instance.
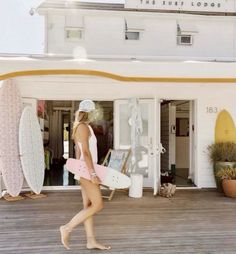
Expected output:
(224, 152)
(227, 173)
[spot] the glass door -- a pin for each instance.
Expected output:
(122, 129)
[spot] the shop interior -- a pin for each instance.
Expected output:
(56, 121)
(175, 138)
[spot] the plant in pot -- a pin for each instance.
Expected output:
(222, 155)
(228, 177)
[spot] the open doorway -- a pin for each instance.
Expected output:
(177, 139)
(56, 121)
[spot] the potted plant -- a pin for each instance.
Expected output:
(222, 155)
(228, 177)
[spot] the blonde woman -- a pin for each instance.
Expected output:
(86, 149)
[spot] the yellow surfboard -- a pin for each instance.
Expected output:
(225, 128)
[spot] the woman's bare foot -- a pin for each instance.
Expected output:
(95, 245)
(65, 236)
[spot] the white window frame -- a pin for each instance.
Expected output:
(132, 31)
(68, 28)
(131, 26)
(179, 43)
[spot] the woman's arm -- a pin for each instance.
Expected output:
(77, 152)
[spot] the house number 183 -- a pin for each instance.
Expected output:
(212, 110)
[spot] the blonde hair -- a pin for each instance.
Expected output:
(80, 117)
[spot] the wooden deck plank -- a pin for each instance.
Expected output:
(194, 221)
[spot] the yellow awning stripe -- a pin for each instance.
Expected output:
(103, 74)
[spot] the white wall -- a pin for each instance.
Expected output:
(182, 152)
(206, 95)
(104, 36)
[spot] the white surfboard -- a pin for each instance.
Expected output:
(31, 150)
(10, 112)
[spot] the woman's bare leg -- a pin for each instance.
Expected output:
(93, 194)
(88, 224)
(89, 228)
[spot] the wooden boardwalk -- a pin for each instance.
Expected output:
(194, 221)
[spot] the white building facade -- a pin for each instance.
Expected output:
(142, 30)
(111, 53)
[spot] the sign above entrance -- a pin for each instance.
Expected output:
(183, 5)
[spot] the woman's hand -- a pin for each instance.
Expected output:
(95, 179)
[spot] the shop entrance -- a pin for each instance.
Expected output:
(177, 138)
(56, 122)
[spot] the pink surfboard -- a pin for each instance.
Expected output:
(108, 176)
(10, 113)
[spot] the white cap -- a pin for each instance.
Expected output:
(86, 106)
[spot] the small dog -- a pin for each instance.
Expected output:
(167, 190)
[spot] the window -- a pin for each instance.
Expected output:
(132, 35)
(74, 27)
(133, 28)
(184, 39)
(73, 34)
(185, 31)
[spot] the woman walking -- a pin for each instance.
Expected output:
(86, 149)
